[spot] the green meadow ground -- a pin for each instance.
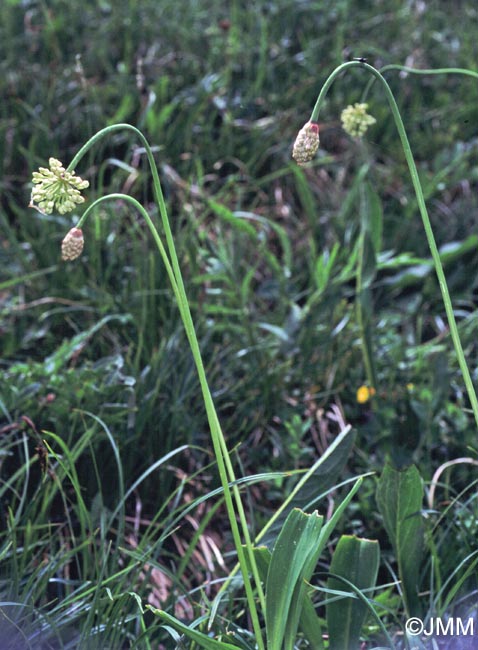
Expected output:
(104, 438)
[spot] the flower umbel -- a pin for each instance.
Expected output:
(72, 244)
(355, 120)
(306, 143)
(55, 188)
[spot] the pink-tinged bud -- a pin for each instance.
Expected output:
(72, 244)
(306, 144)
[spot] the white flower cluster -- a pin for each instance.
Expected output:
(355, 120)
(55, 188)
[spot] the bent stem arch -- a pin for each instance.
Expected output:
(226, 472)
(421, 206)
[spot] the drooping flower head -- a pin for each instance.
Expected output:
(306, 143)
(72, 244)
(355, 120)
(56, 189)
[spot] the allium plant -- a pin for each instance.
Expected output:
(302, 537)
(58, 188)
(355, 121)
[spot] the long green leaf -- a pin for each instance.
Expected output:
(309, 623)
(356, 560)
(399, 499)
(293, 561)
(202, 639)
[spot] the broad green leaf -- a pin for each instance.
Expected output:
(399, 499)
(357, 561)
(419, 268)
(262, 556)
(292, 562)
(309, 623)
(201, 639)
(410, 276)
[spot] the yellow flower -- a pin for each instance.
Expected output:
(306, 143)
(355, 120)
(55, 188)
(364, 393)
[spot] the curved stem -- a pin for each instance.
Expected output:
(221, 452)
(136, 204)
(423, 212)
(325, 88)
(417, 71)
(405, 68)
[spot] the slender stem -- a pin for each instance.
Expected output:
(404, 68)
(221, 452)
(136, 204)
(417, 71)
(325, 88)
(423, 212)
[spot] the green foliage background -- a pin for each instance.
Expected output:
(221, 92)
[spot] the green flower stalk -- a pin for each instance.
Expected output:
(60, 189)
(306, 144)
(455, 336)
(355, 120)
(56, 189)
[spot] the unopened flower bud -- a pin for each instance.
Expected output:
(72, 244)
(306, 143)
(355, 120)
